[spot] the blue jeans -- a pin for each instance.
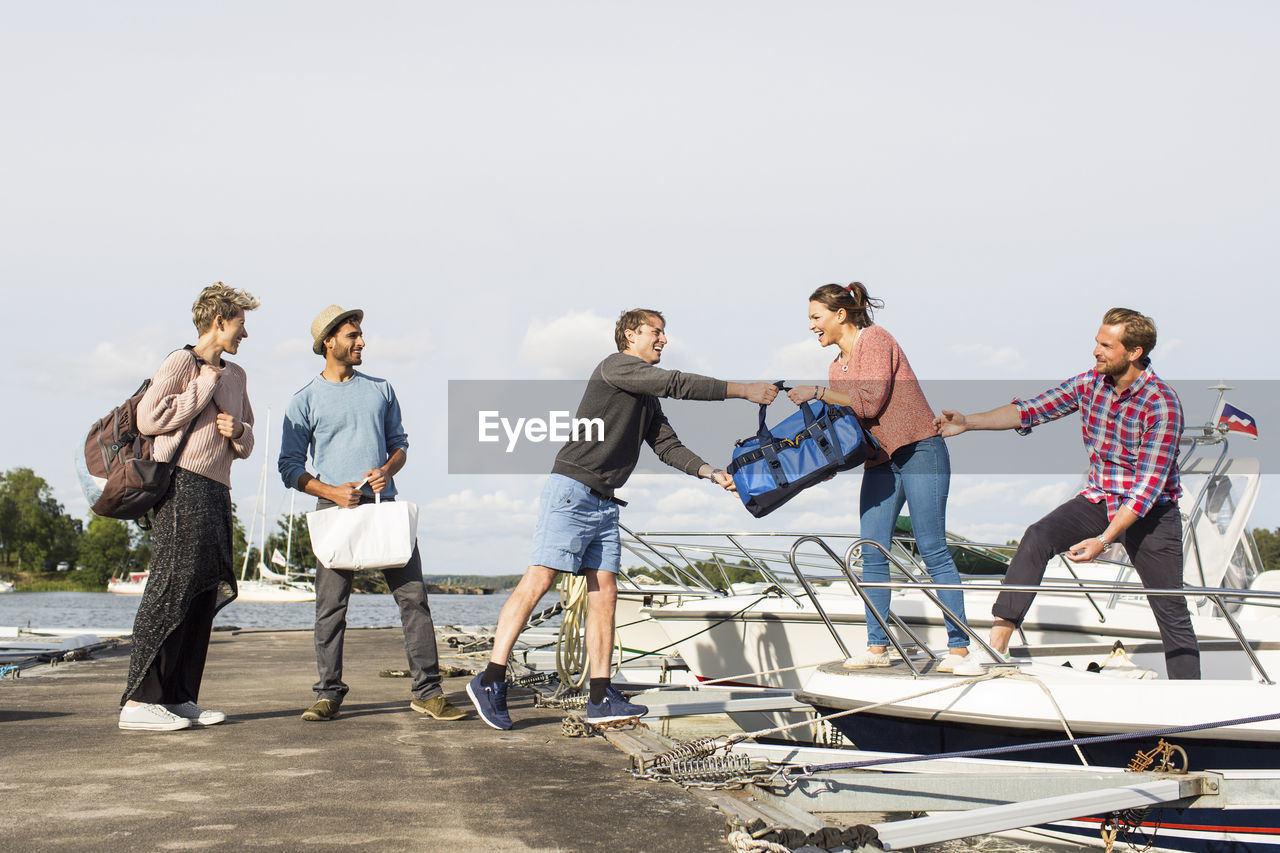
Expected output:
(918, 474)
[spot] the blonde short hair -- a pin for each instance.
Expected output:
(218, 300)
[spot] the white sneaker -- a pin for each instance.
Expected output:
(197, 715)
(960, 665)
(866, 659)
(151, 718)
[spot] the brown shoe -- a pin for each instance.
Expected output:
(325, 709)
(438, 707)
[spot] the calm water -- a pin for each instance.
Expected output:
(106, 611)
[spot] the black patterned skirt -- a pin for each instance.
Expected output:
(190, 555)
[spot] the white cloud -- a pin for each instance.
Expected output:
(1050, 494)
(471, 515)
(826, 522)
(108, 365)
(688, 500)
(468, 500)
(569, 346)
(803, 361)
(707, 520)
(984, 491)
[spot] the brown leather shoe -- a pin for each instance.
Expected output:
(438, 707)
(325, 709)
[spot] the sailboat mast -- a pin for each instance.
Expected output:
(261, 508)
(288, 540)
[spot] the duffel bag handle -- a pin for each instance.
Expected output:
(762, 433)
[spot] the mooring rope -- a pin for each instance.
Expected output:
(808, 769)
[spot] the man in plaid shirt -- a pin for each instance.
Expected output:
(1131, 422)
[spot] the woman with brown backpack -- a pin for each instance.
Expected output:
(197, 408)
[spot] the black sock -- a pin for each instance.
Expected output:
(598, 687)
(493, 672)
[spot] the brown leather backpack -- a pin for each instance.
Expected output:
(119, 474)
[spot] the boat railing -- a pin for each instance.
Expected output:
(1190, 538)
(859, 588)
(984, 549)
(681, 556)
(1218, 595)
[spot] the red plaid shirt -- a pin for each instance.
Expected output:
(1132, 436)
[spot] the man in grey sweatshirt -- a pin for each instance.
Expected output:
(577, 528)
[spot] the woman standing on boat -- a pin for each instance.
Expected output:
(871, 375)
(198, 409)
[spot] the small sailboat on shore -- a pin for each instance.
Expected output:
(269, 585)
(131, 584)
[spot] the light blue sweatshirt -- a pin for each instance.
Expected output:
(349, 427)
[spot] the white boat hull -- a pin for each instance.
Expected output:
(268, 591)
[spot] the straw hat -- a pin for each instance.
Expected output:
(328, 320)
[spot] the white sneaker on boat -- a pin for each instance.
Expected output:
(197, 715)
(151, 718)
(866, 659)
(960, 665)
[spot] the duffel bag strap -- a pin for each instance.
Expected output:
(775, 465)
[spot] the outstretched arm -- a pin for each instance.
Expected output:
(756, 392)
(951, 423)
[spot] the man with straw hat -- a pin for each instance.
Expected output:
(351, 424)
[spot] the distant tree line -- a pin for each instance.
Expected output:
(37, 535)
(715, 573)
(1268, 542)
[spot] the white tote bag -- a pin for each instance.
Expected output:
(371, 536)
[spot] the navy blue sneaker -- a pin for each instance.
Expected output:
(491, 702)
(613, 707)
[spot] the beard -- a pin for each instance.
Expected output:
(1114, 369)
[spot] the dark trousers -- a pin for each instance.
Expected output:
(1154, 545)
(333, 592)
(175, 674)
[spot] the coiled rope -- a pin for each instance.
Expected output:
(572, 664)
(571, 642)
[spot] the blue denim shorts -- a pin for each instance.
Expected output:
(576, 530)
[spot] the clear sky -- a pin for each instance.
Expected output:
(492, 183)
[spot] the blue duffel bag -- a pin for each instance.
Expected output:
(773, 466)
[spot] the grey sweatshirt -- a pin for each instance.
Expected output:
(623, 392)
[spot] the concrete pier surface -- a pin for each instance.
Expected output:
(380, 777)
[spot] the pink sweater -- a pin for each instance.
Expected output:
(883, 392)
(178, 396)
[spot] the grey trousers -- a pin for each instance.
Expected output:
(333, 591)
(1154, 545)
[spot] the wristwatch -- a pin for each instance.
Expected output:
(1103, 539)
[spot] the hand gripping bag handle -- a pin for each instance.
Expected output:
(762, 433)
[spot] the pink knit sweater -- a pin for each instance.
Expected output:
(883, 392)
(179, 395)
